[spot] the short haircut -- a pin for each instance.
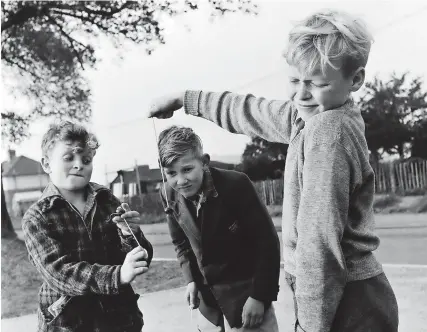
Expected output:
(67, 131)
(327, 38)
(175, 142)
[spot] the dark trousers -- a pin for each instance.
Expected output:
(366, 306)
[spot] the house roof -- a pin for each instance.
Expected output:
(21, 166)
(154, 175)
(145, 174)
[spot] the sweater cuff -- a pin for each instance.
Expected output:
(191, 102)
(116, 280)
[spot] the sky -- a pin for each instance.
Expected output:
(237, 53)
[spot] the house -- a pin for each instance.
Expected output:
(125, 183)
(23, 182)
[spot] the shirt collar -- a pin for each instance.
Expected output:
(208, 188)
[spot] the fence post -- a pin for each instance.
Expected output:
(391, 173)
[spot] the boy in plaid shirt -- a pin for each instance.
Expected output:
(85, 254)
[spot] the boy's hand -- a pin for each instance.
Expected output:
(163, 107)
(132, 217)
(253, 313)
(192, 295)
(133, 265)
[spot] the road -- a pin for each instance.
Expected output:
(403, 239)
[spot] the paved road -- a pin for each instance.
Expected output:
(403, 239)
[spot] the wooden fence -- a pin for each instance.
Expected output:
(402, 178)
(270, 191)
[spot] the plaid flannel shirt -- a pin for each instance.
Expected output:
(79, 258)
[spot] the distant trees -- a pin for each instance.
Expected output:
(395, 114)
(263, 160)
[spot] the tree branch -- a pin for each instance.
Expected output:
(18, 65)
(81, 18)
(70, 39)
(21, 16)
(107, 13)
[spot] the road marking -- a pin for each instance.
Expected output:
(164, 259)
(414, 266)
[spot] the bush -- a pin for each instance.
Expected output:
(384, 201)
(149, 206)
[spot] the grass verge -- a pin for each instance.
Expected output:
(20, 280)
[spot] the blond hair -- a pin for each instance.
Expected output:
(329, 38)
(175, 142)
(67, 131)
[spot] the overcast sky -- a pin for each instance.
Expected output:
(238, 53)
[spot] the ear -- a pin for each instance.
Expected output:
(206, 159)
(358, 79)
(45, 164)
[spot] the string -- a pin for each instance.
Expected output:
(132, 232)
(160, 164)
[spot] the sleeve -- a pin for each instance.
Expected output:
(252, 211)
(320, 264)
(186, 257)
(271, 120)
(58, 270)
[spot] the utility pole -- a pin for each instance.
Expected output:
(138, 182)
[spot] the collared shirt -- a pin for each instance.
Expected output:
(79, 257)
(207, 190)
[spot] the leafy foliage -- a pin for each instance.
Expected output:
(45, 44)
(263, 160)
(392, 111)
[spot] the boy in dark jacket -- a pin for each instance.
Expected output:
(225, 240)
(86, 256)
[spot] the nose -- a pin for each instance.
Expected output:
(78, 164)
(181, 180)
(303, 92)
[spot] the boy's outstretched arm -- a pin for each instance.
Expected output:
(242, 114)
(266, 247)
(58, 269)
(320, 264)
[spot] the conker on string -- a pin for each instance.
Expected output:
(168, 210)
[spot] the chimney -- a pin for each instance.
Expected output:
(12, 154)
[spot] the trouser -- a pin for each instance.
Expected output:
(269, 324)
(366, 306)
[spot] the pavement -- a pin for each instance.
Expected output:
(166, 311)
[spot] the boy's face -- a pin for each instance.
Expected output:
(318, 92)
(185, 175)
(68, 165)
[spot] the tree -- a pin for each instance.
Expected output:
(419, 142)
(390, 112)
(46, 45)
(263, 160)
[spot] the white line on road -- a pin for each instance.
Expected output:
(414, 266)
